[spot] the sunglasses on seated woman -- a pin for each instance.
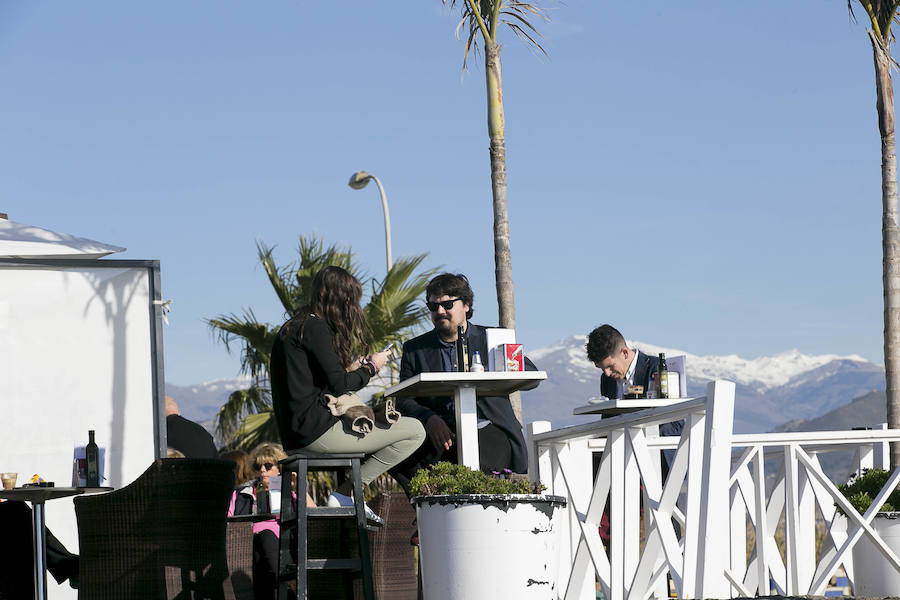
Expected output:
(266, 465)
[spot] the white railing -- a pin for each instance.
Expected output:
(682, 539)
(800, 496)
(696, 523)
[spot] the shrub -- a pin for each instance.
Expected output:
(445, 478)
(861, 491)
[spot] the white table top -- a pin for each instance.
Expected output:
(608, 408)
(488, 383)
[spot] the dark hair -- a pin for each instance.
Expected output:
(243, 473)
(334, 297)
(448, 284)
(603, 342)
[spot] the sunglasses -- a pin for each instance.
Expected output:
(266, 466)
(446, 304)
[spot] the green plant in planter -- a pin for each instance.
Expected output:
(861, 491)
(443, 478)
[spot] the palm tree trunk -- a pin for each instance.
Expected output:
(502, 255)
(890, 234)
(497, 132)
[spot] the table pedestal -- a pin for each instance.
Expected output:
(467, 421)
(40, 550)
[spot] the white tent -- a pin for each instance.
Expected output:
(80, 349)
(18, 240)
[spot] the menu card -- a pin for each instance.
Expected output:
(497, 336)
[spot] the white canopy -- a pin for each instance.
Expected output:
(18, 240)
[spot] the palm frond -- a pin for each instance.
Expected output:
(254, 430)
(256, 340)
(286, 295)
(882, 15)
(480, 16)
(394, 306)
(230, 419)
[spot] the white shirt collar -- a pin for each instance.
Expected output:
(629, 374)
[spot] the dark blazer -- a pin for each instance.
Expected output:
(422, 354)
(646, 366)
(189, 438)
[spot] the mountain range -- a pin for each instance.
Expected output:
(787, 390)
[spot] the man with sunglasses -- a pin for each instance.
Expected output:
(501, 444)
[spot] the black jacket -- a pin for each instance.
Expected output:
(301, 372)
(422, 354)
(646, 366)
(189, 438)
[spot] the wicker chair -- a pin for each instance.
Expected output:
(239, 547)
(161, 536)
(393, 558)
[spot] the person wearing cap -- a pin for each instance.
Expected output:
(450, 299)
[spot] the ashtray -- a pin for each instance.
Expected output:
(39, 485)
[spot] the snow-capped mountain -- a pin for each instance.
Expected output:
(765, 372)
(200, 402)
(771, 390)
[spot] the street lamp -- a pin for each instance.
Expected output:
(358, 181)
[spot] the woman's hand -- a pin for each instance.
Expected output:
(380, 358)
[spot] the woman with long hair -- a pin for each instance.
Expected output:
(314, 354)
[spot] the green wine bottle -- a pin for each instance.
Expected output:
(662, 378)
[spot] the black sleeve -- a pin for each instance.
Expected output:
(319, 343)
(529, 366)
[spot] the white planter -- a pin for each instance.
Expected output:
(489, 546)
(873, 574)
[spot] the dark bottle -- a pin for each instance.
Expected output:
(92, 458)
(462, 351)
(262, 498)
(662, 378)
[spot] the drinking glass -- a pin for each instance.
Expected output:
(8, 480)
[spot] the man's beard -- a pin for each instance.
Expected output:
(443, 325)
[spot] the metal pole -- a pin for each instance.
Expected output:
(387, 222)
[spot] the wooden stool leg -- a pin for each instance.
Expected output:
(302, 532)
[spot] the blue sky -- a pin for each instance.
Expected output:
(705, 176)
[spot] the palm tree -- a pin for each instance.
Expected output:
(393, 312)
(882, 15)
(483, 18)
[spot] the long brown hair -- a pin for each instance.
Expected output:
(334, 297)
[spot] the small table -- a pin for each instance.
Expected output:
(607, 407)
(37, 496)
(465, 388)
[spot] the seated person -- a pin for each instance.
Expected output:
(243, 474)
(500, 441)
(314, 356)
(622, 367)
(187, 437)
(264, 462)
(17, 566)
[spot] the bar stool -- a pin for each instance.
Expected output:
(295, 521)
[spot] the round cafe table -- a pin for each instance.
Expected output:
(37, 496)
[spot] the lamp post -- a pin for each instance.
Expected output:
(358, 181)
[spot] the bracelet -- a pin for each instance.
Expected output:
(370, 367)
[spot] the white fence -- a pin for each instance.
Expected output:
(694, 534)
